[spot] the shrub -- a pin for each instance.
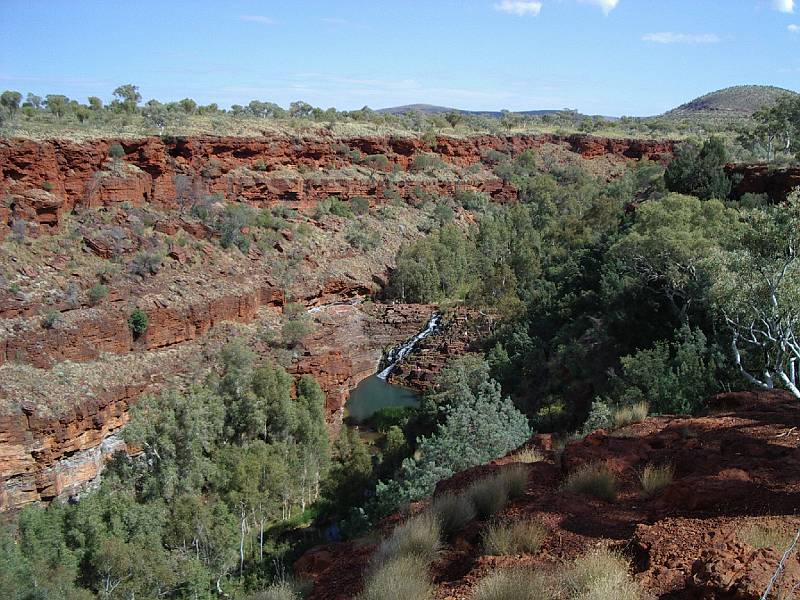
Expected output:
(97, 292)
(138, 322)
(513, 584)
(655, 478)
(116, 151)
(453, 512)
(600, 574)
(489, 496)
(51, 319)
(296, 325)
(592, 479)
(230, 223)
(359, 205)
(259, 165)
(700, 171)
(424, 162)
(675, 377)
(362, 239)
(333, 206)
(392, 416)
(47, 186)
(600, 417)
(419, 537)
(403, 578)
(472, 200)
(146, 263)
(765, 537)
(213, 168)
(376, 162)
(443, 214)
(514, 537)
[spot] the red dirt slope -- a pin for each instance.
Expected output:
(735, 468)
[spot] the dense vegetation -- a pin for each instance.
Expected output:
(223, 467)
(605, 305)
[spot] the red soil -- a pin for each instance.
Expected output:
(738, 466)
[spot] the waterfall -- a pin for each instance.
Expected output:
(399, 353)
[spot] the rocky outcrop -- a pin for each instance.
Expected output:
(777, 183)
(96, 331)
(43, 457)
(170, 171)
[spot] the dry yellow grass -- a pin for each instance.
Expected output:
(655, 478)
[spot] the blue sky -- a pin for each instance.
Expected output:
(614, 57)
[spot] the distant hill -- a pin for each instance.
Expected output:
(432, 109)
(739, 101)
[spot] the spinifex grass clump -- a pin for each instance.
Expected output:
(453, 512)
(758, 536)
(592, 479)
(420, 537)
(490, 495)
(600, 574)
(655, 478)
(403, 578)
(515, 478)
(514, 537)
(513, 584)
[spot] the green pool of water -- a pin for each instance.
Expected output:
(373, 394)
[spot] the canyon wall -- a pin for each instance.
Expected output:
(65, 390)
(777, 183)
(42, 180)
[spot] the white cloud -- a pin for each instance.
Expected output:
(519, 7)
(258, 19)
(786, 6)
(669, 37)
(606, 5)
(794, 28)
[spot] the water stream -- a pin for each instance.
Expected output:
(399, 353)
(375, 393)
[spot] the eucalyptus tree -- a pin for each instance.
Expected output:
(758, 294)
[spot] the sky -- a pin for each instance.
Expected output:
(610, 57)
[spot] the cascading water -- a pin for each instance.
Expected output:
(399, 353)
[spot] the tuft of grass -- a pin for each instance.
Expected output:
(403, 578)
(453, 512)
(630, 414)
(622, 416)
(640, 411)
(758, 537)
(529, 455)
(513, 584)
(515, 478)
(592, 479)
(655, 478)
(600, 574)
(488, 496)
(419, 537)
(517, 537)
